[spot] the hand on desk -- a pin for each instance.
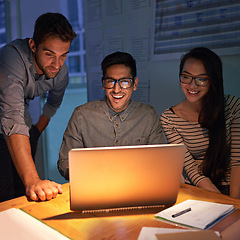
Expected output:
(36, 189)
(43, 190)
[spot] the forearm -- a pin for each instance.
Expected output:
(42, 123)
(235, 182)
(207, 184)
(20, 150)
(190, 165)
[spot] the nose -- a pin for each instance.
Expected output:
(56, 63)
(117, 87)
(193, 83)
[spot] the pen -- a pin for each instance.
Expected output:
(181, 212)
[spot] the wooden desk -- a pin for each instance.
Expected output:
(57, 214)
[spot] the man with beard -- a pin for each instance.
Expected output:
(30, 68)
(115, 120)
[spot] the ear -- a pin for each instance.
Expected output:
(103, 86)
(32, 45)
(135, 84)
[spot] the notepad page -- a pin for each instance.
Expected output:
(202, 215)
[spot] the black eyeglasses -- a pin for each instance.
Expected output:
(199, 81)
(123, 82)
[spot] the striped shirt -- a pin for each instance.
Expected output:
(178, 130)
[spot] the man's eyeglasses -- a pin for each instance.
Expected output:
(199, 81)
(123, 82)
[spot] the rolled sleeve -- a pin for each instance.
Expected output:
(12, 105)
(9, 129)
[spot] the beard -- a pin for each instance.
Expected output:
(48, 71)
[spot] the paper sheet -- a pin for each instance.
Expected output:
(152, 233)
(197, 235)
(149, 233)
(17, 224)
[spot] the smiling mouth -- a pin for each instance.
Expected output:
(193, 92)
(54, 70)
(117, 96)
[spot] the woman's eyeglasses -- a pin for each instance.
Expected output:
(199, 81)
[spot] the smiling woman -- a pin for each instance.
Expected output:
(193, 90)
(208, 123)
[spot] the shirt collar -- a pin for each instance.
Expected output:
(111, 114)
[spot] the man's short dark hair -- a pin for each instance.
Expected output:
(52, 25)
(119, 58)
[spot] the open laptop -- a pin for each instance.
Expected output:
(125, 177)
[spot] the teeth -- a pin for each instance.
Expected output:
(192, 92)
(117, 96)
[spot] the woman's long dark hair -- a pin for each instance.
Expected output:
(212, 115)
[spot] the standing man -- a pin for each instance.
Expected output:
(116, 120)
(30, 68)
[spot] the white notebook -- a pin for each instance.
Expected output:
(195, 213)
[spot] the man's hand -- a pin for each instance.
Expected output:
(43, 190)
(36, 188)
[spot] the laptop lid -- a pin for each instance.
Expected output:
(126, 176)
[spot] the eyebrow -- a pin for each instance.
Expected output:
(119, 78)
(45, 49)
(202, 74)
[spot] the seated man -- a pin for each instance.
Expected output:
(114, 121)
